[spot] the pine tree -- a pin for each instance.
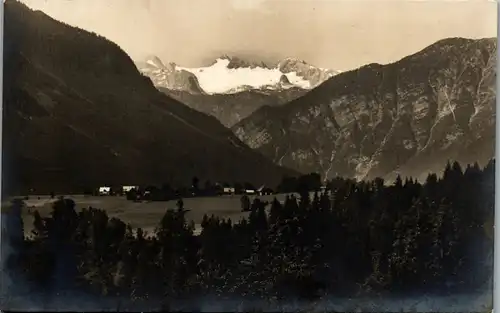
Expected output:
(275, 211)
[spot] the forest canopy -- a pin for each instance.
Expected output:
(353, 238)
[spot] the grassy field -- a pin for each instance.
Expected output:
(146, 215)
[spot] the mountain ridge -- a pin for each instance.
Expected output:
(236, 87)
(357, 124)
(77, 113)
(234, 72)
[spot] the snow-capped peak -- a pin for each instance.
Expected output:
(155, 61)
(220, 78)
(232, 74)
(294, 60)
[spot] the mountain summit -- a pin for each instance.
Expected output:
(407, 118)
(236, 62)
(314, 75)
(170, 75)
(231, 88)
(229, 75)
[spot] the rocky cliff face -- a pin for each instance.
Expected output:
(235, 63)
(404, 118)
(77, 114)
(314, 75)
(169, 76)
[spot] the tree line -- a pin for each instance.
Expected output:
(353, 238)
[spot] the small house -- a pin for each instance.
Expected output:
(229, 190)
(250, 191)
(264, 191)
(104, 191)
(129, 188)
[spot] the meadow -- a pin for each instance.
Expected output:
(146, 215)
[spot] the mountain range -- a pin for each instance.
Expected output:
(227, 75)
(78, 113)
(231, 88)
(406, 118)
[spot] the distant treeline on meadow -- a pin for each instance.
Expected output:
(353, 238)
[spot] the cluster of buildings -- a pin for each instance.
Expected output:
(110, 191)
(263, 190)
(227, 190)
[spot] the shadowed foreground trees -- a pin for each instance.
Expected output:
(356, 237)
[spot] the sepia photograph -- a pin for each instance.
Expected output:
(248, 155)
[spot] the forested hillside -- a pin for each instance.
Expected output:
(77, 113)
(354, 239)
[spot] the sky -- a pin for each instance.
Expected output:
(337, 34)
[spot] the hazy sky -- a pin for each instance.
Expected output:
(327, 33)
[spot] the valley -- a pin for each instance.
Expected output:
(188, 138)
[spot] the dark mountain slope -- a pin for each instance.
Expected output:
(408, 117)
(77, 112)
(229, 109)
